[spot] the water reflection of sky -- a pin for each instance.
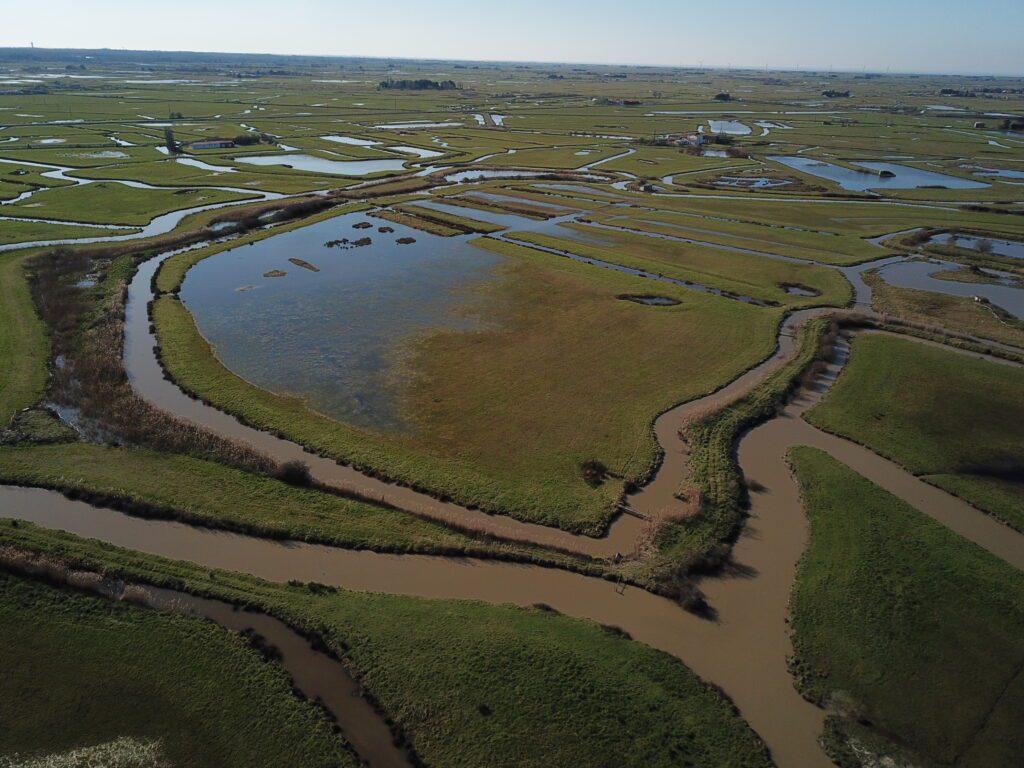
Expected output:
(333, 336)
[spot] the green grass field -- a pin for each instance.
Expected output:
(24, 347)
(507, 685)
(81, 670)
(827, 249)
(30, 231)
(109, 203)
(952, 419)
(759, 277)
(904, 626)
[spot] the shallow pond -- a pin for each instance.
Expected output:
(654, 301)
(918, 274)
(350, 140)
(751, 182)
(413, 126)
(1011, 248)
(904, 176)
(1003, 173)
(730, 127)
(333, 336)
(472, 175)
(795, 289)
(323, 165)
(418, 151)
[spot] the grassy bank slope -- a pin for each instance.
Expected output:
(954, 419)
(905, 625)
(181, 487)
(23, 343)
(82, 670)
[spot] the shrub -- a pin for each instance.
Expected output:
(594, 472)
(295, 472)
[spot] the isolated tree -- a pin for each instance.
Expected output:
(984, 245)
(169, 142)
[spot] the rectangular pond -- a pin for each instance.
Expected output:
(315, 164)
(903, 176)
(350, 140)
(419, 152)
(1012, 248)
(730, 127)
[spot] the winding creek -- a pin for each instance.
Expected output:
(743, 650)
(318, 676)
(159, 225)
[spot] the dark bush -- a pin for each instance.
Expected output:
(594, 472)
(295, 473)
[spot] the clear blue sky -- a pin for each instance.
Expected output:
(900, 35)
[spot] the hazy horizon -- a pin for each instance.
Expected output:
(788, 35)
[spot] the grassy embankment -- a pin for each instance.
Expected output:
(30, 231)
(514, 206)
(840, 250)
(23, 343)
(697, 542)
(507, 686)
(102, 203)
(951, 419)
(911, 635)
(744, 274)
(437, 222)
(589, 373)
(179, 487)
(865, 219)
(82, 670)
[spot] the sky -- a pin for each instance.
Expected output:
(948, 36)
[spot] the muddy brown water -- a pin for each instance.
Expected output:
(315, 674)
(743, 650)
(658, 498)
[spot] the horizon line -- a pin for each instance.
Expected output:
(699, 66)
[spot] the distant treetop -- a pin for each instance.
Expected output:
(419, 85)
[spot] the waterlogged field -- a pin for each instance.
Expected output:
(529, 318)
